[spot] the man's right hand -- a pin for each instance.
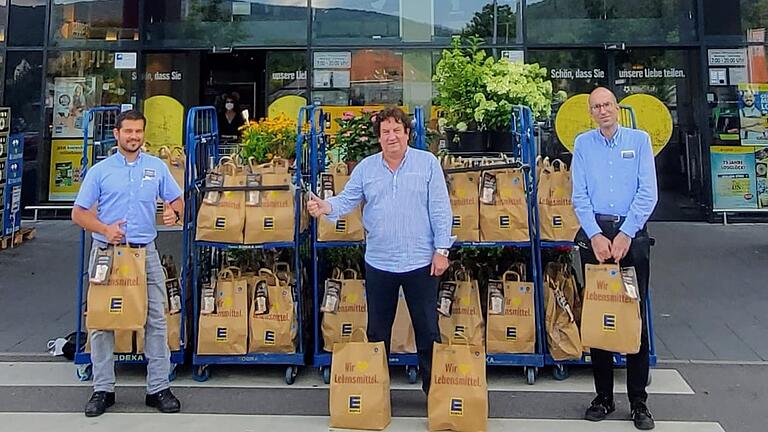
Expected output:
(601, 247)
(113, 233)
(318, 207)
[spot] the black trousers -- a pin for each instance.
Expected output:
(420, 289)
(637, 364)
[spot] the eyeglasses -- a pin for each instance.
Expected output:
(598, 107)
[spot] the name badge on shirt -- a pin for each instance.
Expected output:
(627, 154)
(149, 173)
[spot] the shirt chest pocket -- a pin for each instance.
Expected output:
(148, 189)
(415, 183)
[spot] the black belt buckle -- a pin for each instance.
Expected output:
(609, 218)
(137, 245)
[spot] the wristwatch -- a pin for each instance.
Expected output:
(443, 252)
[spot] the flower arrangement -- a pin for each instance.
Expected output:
(356, 138)
(269, 138)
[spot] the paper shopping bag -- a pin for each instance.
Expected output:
(557, 217)
(563, 338)
(120, 303)
(463, 191)
(221, 217)
(351, 314)
(270, 214)
(513, 331)
(403, 336)
(503, 208)
(275, 331)
(348, 227)
(226, 330)
(177, 164)
(466, 320)
(359, 393)
(610, 319)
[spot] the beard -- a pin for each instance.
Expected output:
(131, 146)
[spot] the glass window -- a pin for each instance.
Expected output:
(360, 77)
(3, 20)
(73, 22)
(496, 21)
(223, 24)
(27, 22)
(361, 21)
(287, 78)
(597, 21)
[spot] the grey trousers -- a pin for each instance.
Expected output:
(155, 335)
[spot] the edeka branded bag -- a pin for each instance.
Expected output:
(403, 337)
(120, 303)
(223, 220)
(563, 339)
(504, 214)
(275, 331)
(514, 331)
(359, 394)
(269, 215)
(226, 330)
(464, 190)
(348, 227)
(466, 320)
(558, 219)
(458, 396)
(352, 313)
(611, 319)
(177, 164)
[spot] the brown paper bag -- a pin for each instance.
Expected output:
(359, 393)
(273, 219)
(224, 222)
(124, 342)
(515, 330)
(352, 313)
(458, 396)
(507, 218)
(466, 320)
(403, 337)
(464, 190)
(558, 219)
(348, 227)
(276, 331)
(226, 331)
(174, 330)
(611, 319)
(177, 164)
(563, 338)
(121, 303)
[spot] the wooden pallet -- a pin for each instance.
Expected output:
(10, 241)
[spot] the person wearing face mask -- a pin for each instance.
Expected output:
(407, 218)
(230, 120)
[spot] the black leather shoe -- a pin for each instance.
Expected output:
(99, 403)
(164, 401)
(600, 408)
(642, 417)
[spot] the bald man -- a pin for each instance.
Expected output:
(614, 194)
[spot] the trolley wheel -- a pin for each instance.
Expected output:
(530, 375)
(84, 372)
(201, 373)
(412, 372)
(326, 371)
(560, 372)
(172, 372)
(290, 374)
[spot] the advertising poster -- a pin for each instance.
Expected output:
(753, 114)
(64, 181)
(734, 184)
(71, 98)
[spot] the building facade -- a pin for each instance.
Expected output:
(697, 57)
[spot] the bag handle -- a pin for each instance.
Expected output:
(349, 271)
(341, 169)
(228, 273)
(356, 331)
(164, 152)
(558, 165)
(460, 336)
(336, 273)
(511, 273)
(177, 151)
(282, 266)
(267, 273)
(462, 272)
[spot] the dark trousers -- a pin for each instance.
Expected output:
(637, 364)
(382, 289)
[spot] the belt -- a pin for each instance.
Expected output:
(131, 245)
(609, 218)
(137, 245)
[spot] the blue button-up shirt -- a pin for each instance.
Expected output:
(614, 177)
(407, 212)
(128, 191)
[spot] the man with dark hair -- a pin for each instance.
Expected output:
(407, 218)
(125, 188)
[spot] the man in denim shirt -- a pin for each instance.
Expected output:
(614, 194)
(125, 188)
(407, 219)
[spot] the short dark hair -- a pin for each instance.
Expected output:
(129, 115)
(391, 112)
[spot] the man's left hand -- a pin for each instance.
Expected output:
(439, 264)
(620, 246)
(169, 215)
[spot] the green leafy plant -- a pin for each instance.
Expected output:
(356, 138)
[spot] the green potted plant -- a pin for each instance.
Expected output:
(356, 138)
(268, 138)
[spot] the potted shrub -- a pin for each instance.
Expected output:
(268, 138)
(356, 138)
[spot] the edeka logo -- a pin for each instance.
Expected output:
(346, 329)
(457, 407)
(557, 221)
(269, 337)
(222, 335)
(269, 223)
(504, 222)
(341, 226)
(512, 334)
(116, 305)
(609, 322)
(457, 221)
(355, 404)
(459, 331)
(220, 224)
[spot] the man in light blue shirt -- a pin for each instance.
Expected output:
(614, 194)
(124, 189)
(407, 219)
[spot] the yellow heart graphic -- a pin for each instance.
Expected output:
(465, 301)
(123, 271)
(361, 366)
(352, 298)
(228, 302)
(516, 301)
(464, 369)
(276, 306)
(615, 286)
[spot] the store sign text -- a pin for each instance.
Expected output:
(164, 76)
(652, 73)
(299, 74)
(576, 73)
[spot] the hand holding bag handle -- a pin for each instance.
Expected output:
(511, 273)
